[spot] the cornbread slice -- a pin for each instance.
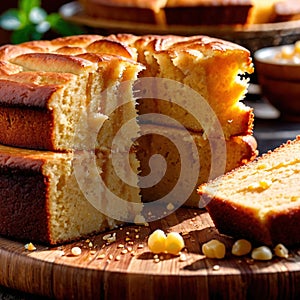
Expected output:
(41, 199)
(211, 67)
(44, 95)
(176, 148)
(261, 200)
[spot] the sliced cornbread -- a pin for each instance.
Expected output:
(78, 94)
(209, 66)
(42, 201)
(176, 146)
(43, 95)
(259, 201)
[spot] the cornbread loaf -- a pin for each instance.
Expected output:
(44, 94)
(179, 12)
(69, 73)
(261, 200)
(41, 200)
(180, 160)
(77, 94)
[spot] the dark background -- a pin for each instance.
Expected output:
(48, 5)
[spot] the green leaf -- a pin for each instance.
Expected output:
(27, 5)
(53, 18)
(25, 34)
(23, 18)
(63, 27)
(10, 20)
(20, 36)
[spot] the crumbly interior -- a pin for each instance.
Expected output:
(266, 186)
(81, 97)
(176, 146)
(70, 214)
(212, 74)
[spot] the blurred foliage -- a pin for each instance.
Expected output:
(31, 22)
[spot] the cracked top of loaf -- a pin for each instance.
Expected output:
(54, 80)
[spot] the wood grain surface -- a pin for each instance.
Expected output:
(105, 271)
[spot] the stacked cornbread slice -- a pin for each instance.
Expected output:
(47, 89)
(62, 103)
(211, 69)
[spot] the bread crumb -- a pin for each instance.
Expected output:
(182, 257)
(216, 267)
(170, 206)
(76, 251)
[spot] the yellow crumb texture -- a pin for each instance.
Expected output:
(264, 186)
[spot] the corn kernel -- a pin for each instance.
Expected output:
(286, 52)
(297, 47)
(157, 241)
(214, 249)
(260, 186)
(241, 247)
(281, 251)
(262, 253)
(30, 247)
(174, 243)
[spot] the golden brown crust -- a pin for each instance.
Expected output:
(26, 187)
(37, 127)
(22, 178)
(106, 46)
(240, 219)
(17, 94)
(49, 62)
(240, 222)
(151, 4)
(208, 2)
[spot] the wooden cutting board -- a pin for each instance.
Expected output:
(106, 272)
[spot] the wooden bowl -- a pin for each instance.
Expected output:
(280, 81)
